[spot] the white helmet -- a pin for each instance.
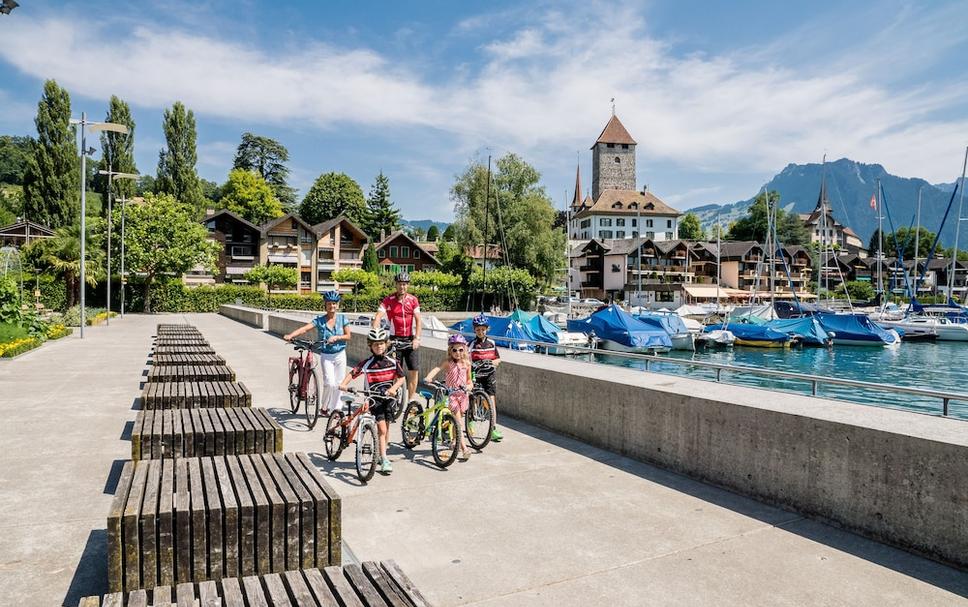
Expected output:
(377, 334)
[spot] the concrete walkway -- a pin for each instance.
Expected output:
(535, 520)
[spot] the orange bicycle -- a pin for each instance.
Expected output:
(342, 429)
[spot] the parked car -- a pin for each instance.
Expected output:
(591, 301)
(362, 321)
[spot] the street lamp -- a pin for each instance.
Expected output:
(111, 176)
(94, 126)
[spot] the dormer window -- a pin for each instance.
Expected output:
(649, 206)
(634, 205)
(617, 205)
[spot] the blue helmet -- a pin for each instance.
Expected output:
(331, 296)
(480, 321)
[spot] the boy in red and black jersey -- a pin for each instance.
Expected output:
(484, 361)
(380, 374)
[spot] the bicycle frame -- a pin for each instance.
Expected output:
(304, 366)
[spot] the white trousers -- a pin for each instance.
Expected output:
(333, 369)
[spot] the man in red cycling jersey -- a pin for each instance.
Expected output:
(402, 310)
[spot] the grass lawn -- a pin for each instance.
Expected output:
(10, 332)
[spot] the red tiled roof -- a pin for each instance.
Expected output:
(625, 202)
(614, 132)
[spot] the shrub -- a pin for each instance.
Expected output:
(11, 331)
(19, 346)
(57, 330)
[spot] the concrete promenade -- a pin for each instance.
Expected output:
(535, 520)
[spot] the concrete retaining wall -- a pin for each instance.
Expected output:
(250, 316)
(894, 476)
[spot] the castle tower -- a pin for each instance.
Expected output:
(613, 159)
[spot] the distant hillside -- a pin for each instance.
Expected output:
(849, 188)
(424, 224)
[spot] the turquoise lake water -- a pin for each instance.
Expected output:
(934, 366)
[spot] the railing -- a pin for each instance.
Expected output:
(815, 381)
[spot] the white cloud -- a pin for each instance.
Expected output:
(542, 90)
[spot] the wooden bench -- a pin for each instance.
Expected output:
(180, 349)
(164, 360)
(181, 341)
(200, 432)
(372, 584)
(194, 519)
(193, 395)
(190, 373)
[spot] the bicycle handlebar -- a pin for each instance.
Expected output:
(444, 387)
(304, 344)
(352, 390)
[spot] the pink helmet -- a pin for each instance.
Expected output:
(457, 338)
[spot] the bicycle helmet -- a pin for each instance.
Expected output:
(402, 277)
(377, 334)
(480, 321)
(331, 296)
(456, 338)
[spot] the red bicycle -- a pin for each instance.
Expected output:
(304, 381)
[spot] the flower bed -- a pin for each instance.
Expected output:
(56, 331)
(18, 346)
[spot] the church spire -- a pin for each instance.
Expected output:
(577, 200)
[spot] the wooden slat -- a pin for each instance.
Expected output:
(213, 510)
(363, 586)
(130, 531)
(298, 590)
(114, 528)
(262, 516)
(230, 511)
(149, 510)
(166, 525)
(321, 592)
(341, 587)
(254, 594)
(387, 589)
(317, 484)
(183, 524)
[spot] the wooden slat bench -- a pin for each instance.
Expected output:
(181, 341)
(193, 395)
(178, 331)
(194, 519)
(372, 584)
(164, 360)
(180, 349)
(171, 433)
(190, 373)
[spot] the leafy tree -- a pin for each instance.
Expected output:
(163, 237)
(521, 205)
(211, 191)
(52, 174)
(268, 158)
(362, 279)
(416, 232)
(61, 256)
(333, 194)
(147, 184)
(435, 279)
(505, 282)
(450, 234)
(371, 263)
(117, 154)
(906, 239)
(689, 227)
(273, 276)
(247, 194)
(11, 204)
(433, 233)
(454, 261)
(176, 163)
(858, 290)
(790, 229)
(14, 153)
(381, 215)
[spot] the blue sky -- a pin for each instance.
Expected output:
(720, 96)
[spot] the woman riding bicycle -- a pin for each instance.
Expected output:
(333, 333)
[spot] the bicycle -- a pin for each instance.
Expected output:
(396, 408)
(342, 429)
(304, 381)
(437, 421)
(479, 419)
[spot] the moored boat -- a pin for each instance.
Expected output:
(856, 330)
(754, 336)
(615, 329)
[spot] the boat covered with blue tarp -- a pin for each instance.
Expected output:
(618, 330)
(672, 324)
(748, 334)
(503, 326)
(856, 330)
(807, 330)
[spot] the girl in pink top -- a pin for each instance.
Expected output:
(457, 373)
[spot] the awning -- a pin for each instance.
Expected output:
(283, 259)
(710, 292)
(236, 270)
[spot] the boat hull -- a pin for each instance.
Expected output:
(762, 343)
(607, 344)
(683, 341)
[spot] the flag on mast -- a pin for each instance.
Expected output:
(874, 201)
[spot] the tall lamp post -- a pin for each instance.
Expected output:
(85, 152)
(124, 279)
(111, 176)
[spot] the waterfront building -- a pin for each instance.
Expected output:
(291, 242)
(238, 251)
(22, 233)
(823, 227)
(340, 244)
(399, 252)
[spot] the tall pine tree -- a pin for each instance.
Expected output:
(52, 174)
(117, 154)
(381, 215)
(268, 158)
(176, 163)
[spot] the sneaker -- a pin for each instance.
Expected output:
(496, 435)
(385, 466)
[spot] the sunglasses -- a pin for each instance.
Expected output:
(457, 349)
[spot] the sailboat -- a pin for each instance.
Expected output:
(720, 337)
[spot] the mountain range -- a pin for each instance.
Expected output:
(850, 185)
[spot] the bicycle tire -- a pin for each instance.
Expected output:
(399, 404)
(444, 440)
(294, 386)
(412, 426)
(312, 399)
(479, 418)
(366, 446)
(334, 440)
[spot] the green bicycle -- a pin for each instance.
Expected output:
(437, 421)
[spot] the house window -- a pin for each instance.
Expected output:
(405, 252)
(238, 251)
(416, 253)
(605, 222)
(668, 235)
(635, 234)
(293, 224)
(648, 223)
(617, 205)
(605, 234)
(650, 235)
(620, 222)
(211, 226)
(381, 253)
(625, 146)
(586, 223)
(620, 234)
(616, 268)
(610, 145)
(668, 223)
(394, 251)
(634, 223)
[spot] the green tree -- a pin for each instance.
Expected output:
(689, 227)
(505, 282)
(371, 263)
(268, 158)
(248, 195)
(789, 228)
(416, 232)
(176, 163)
(273, 276)
(333, 194)
(450, 234)
(163, 237)
(147, 184)
(117, 154)
(60, 256)
(857, 289)
(362, 280)
(905, 238)
(211, 192)
(14, 153)
(520, 205)
(52, 174)
(453, 261)
(433, 233)
(381, 215)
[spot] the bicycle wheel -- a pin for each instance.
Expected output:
(334, 439)
(366, 451)
(399, 404)
(312, 399)
(444, 438)
(294, 386)
(412, 426)
(479, 421)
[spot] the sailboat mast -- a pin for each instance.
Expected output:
(719, 256)
(917, 244)
(487, 201)
(880, 243)
(638, 255)
(771, 243)
(954, 256)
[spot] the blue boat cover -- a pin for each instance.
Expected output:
(750, 332)
(504, 326)
(854, 327)
(670, 323)
(808, 328)
(615, 324)
(537, 325)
